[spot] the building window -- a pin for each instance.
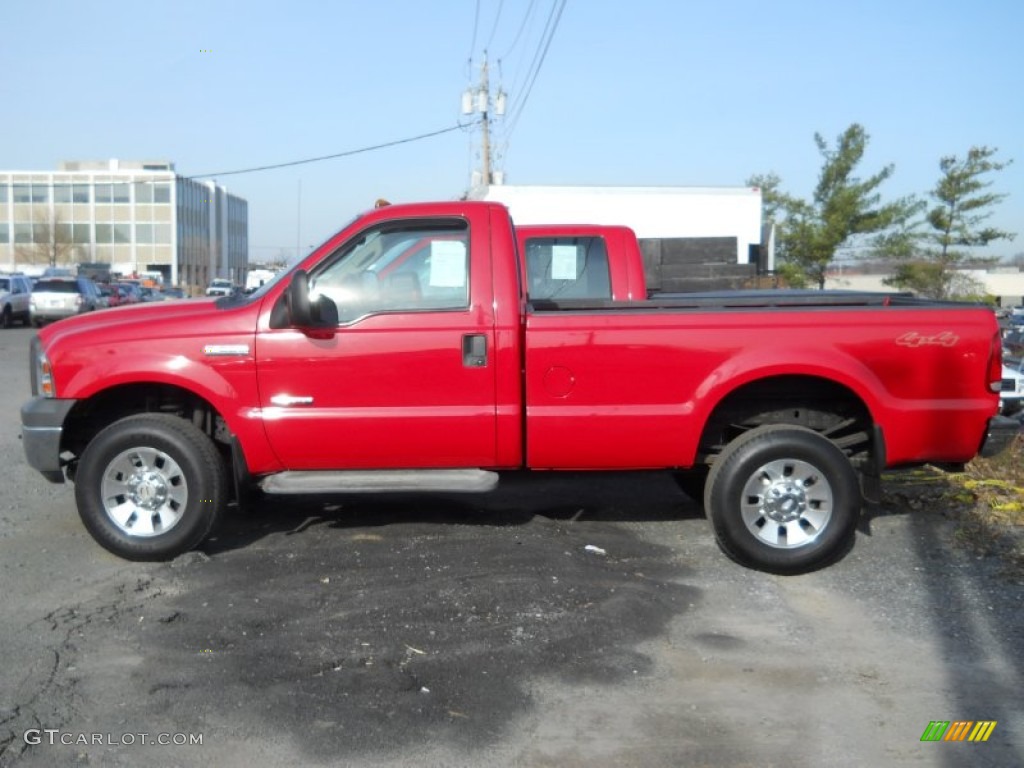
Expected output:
(23, 233)
(104, 233)
(152, 192)
(113, 193)
(3, 193)
(23, 193)
(162, 234)
(122, 233)
(40, 193)
(5, 231)
(80, 193)
(62, 193)
(64, 233)
(80, 233)
(40, 233)
(144, 233)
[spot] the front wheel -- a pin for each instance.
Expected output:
(783, 499)
(150, 487)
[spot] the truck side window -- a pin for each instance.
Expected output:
(398, 267)
(567, 268)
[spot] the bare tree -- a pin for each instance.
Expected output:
(52, 243)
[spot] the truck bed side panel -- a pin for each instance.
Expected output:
(612, 388)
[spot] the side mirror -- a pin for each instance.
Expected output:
(305, 313)
(297, 297)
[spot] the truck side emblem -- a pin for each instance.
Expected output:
(225, 350)
(914, 339)
(291, 400)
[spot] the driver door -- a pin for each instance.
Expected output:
(406, 379)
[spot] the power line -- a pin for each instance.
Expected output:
(536, 54)
(476, 21)
(495, 27)
(456, 127)
(526, 18)
(522, 103)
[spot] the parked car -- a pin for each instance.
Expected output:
(15, 292)
(130, 293)
(54, 298)
(221, 287)
(438, 367)
(1013, 343)
(1011, 393)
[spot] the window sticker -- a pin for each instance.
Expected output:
(563, 262)
(447, 264)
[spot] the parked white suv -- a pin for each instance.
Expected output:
(15, 291)
(54, 298)
(221, 287)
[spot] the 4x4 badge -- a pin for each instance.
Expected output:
(915, 339)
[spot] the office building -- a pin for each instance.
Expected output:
(135, 216)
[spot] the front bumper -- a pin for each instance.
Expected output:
(1000, 433)
(42, 424)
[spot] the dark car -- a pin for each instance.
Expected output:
(1013, 343)
(54, 298)
(131, 293)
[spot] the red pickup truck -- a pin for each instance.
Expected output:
(421, 349)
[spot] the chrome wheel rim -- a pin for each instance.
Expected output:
(787, 503)
(144, 492)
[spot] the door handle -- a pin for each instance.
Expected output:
(474, 350)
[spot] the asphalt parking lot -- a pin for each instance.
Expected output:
(560, 621)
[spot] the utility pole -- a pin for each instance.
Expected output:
(485, 127)
(479, 101)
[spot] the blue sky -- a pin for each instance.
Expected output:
(651, 92)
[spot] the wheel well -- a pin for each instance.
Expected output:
(828, 408)
(90, 416)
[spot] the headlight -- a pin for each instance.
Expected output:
(42, 374)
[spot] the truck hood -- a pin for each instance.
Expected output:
(184, 318)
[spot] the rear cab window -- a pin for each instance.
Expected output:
(567, 268)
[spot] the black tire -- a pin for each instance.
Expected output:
(6, 317)
(783, 499)
(159, 473)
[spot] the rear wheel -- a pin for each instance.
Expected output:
(6, 317)
(783, 499)
(150, 487)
